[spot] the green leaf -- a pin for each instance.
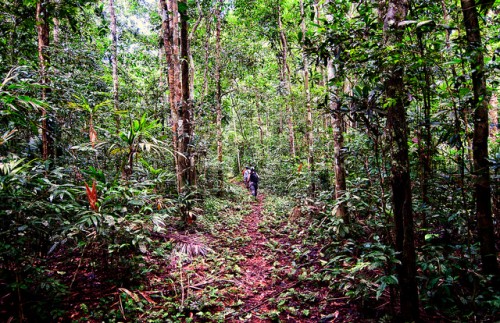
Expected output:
(183, 7)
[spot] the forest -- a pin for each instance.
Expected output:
(126, 126)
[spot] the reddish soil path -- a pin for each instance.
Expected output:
(259, 282)
(256, 269)
(269, 286)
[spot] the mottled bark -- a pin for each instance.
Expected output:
(338, 139)
(42, 27)
(480, 140)
(285, 79)
(186, 113)
(171, 43)
(401, 184)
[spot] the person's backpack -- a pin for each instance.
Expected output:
(254, 177)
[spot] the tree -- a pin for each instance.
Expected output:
(114, 63)
(218, 93)
(307, 94)
(176, 53)
(42, 27)
(395, 98)
(480, 140)
(285, 79)
(338, 140)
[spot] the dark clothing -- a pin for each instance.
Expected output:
(254, 177)
(254, 182)
(253, 188)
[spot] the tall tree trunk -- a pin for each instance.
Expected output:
(208, 35)
(193, 176)
(190, 54)
(285, 77)
(259, 119)
(171, 42)
(338, 139)
(425, 150)
(495, 185)
(401, 183)
(310, 137)
(218, 98)
(187, 157)
(114, 64)
(42, 27)
(480, 140)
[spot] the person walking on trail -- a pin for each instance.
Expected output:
(254, 181)
(246, 176)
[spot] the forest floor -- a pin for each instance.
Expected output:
(248, 262)
(270, 288)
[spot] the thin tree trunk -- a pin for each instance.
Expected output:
(493, 114)
(42, 27)
(480, 140)
(186, 113)
(401, 183)
(207, 55)
(192, 153)
(161, 79)
(310, 137)
(285, 76)
(190, 54)
(259, 120)
(338, 139)
(114, 64)
(425, 151)
(218, 98)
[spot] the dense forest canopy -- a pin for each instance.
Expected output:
(125, 126)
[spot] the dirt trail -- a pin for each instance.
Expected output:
(259, 281)
(256, 269)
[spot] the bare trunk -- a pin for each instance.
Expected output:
(42, 27)
(218, 99)
(207, 55)
(480, 140)
(285, 77)
(190, 54)
(307, 92)
(338, 138)
(425, 147)
(114, 64)
(401, 183)
(171, 43)
(186, 110)
(259, 120)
